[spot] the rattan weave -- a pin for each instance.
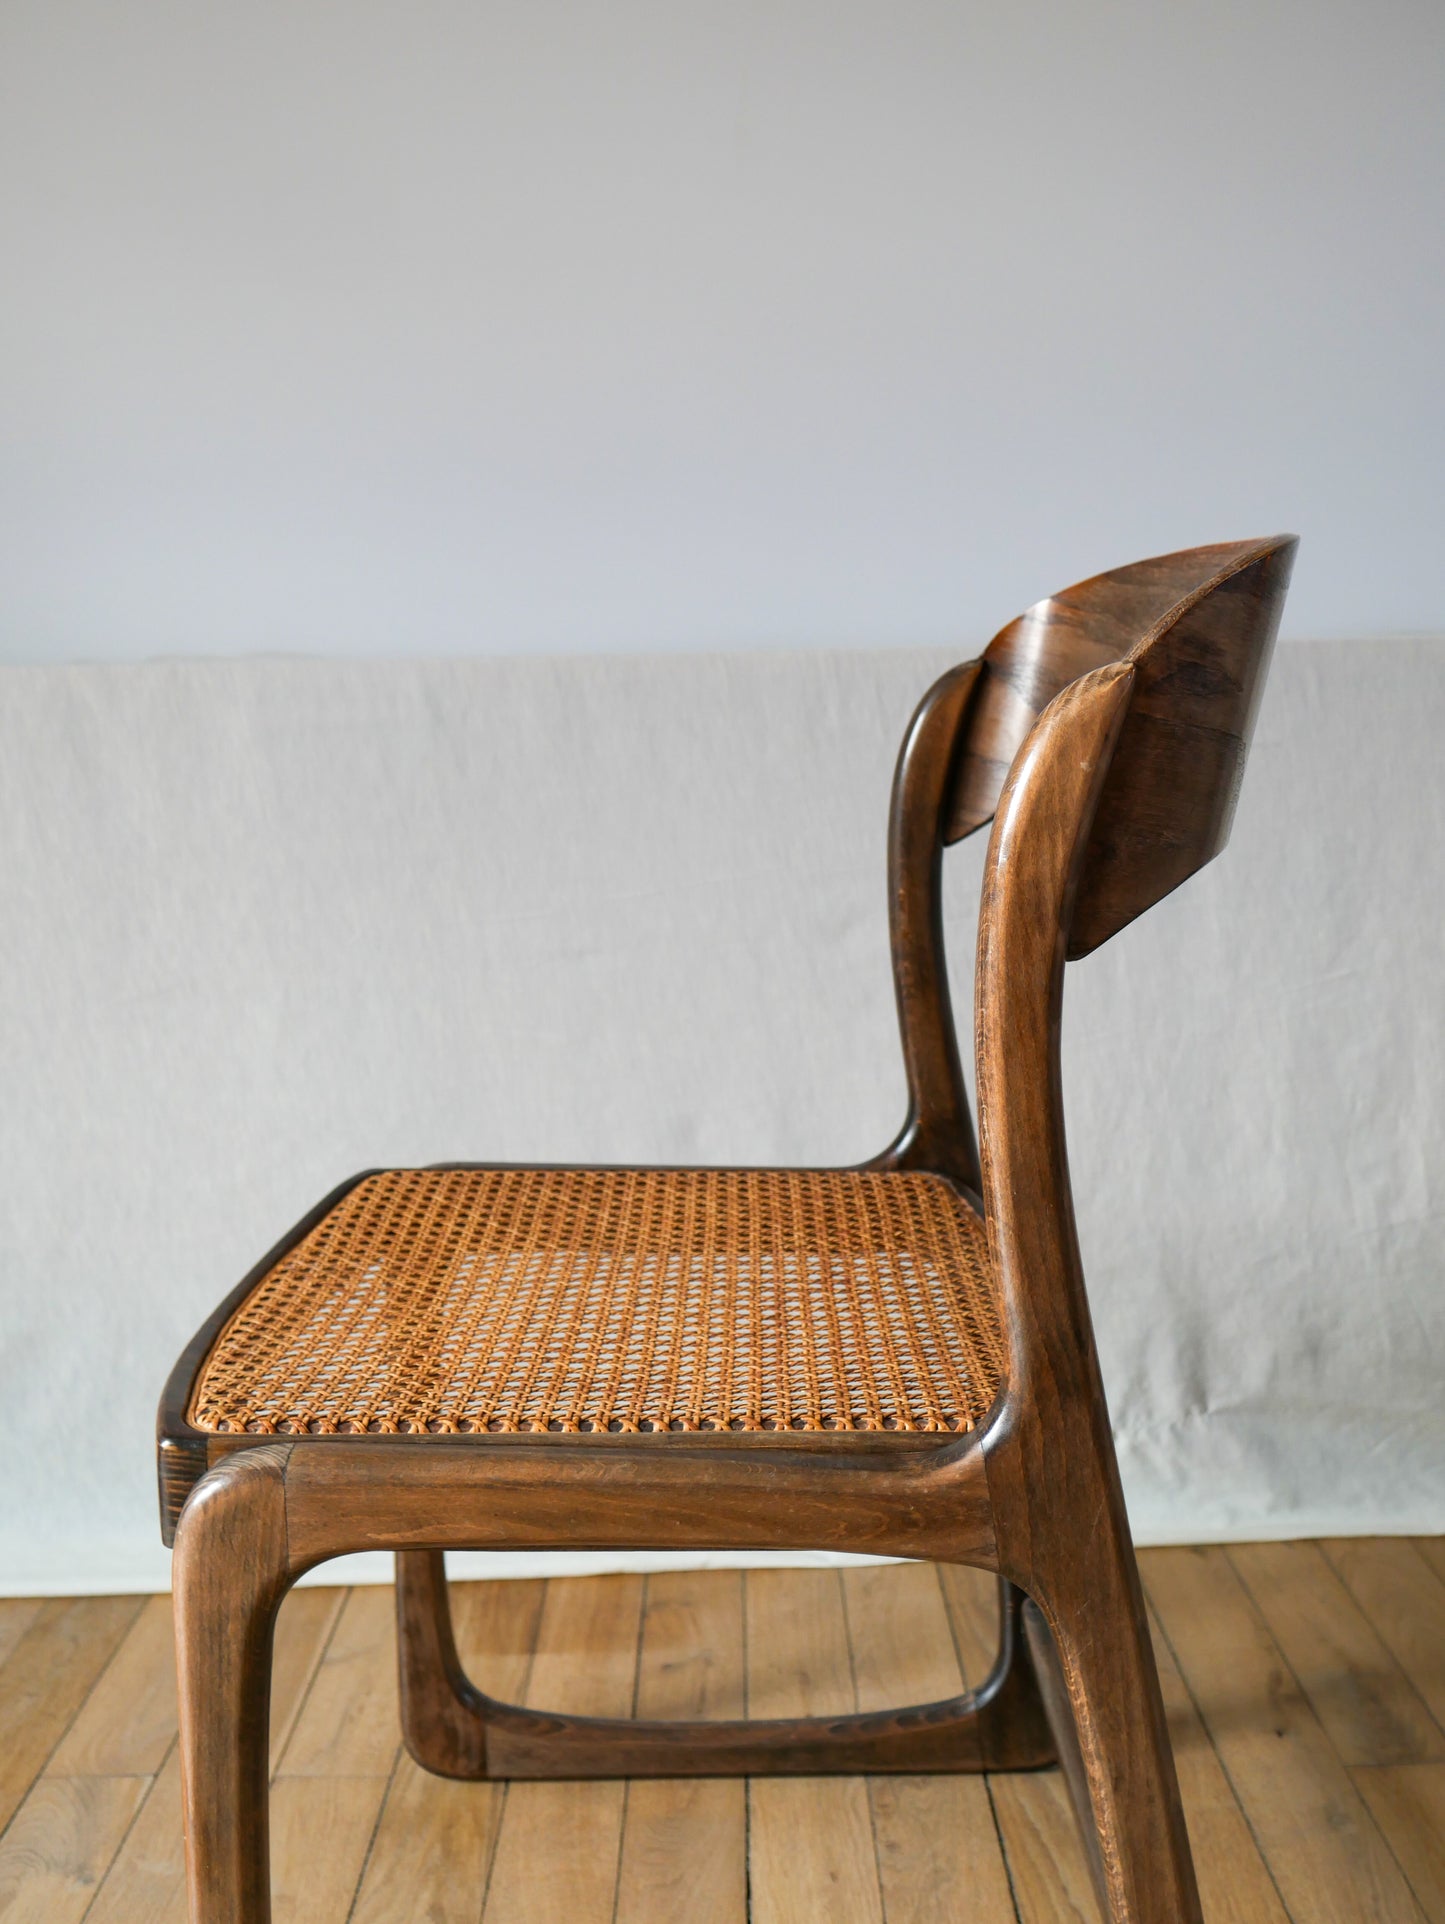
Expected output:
(633, 1300)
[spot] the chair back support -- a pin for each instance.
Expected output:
(1197, 629)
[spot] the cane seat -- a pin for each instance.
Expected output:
(472, 1300)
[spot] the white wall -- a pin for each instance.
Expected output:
(440, 327)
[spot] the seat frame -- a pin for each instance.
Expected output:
(1104, 732)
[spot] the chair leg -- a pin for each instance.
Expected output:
(452, 1728)
(230, 1573)
(1091, 1652)
(443, 1716)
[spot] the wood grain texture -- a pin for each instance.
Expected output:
(431, 1855)
(810, 1851)
(496, 1628)
(935, 1837)
(304, 1625)
(930, 1834)
(797, 1642)
(454, 1729)
(230, 1570)
(428, 1855)
(55, 1853)
(519, 1493)
(1199, 626)
(16, 1616)
(1059, 1510)
(1401, 1590)
(128, 1722)
(1323, 1849)
(559, 1844)
(810, 1840)
(938, 1131)
(1048, 1866)
(971, 1601)
(691, 1661)
(684, 1848)
(899, 1636)
(1053, 643)
(1355, 1685)
(146, 1883)
(1235, 1886)
(347, 1726)
(311, 1885)
(1407, 1801)
(47, 1677)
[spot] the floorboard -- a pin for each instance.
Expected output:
(1403, 1594)
(559, 1845)
(1325, 1853)
(1357, 1688)
(1304, 1686)
(46, 1679)
(810, 1839)
(684, 1840)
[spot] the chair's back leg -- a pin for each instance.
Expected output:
(230, 1573)
(1089, 1639)
(443, 1717)
(1055, 1693)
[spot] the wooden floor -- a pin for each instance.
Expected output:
(1305, 1684)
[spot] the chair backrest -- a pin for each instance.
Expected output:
(1197, 629)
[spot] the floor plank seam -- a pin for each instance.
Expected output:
(313, 1670)
(92, 1687)
(1204, 1725)
(1309, 1702)
(140, 1808)
(375, 1832)
(1008, 1869)
(493, 1845)
(504, 1787)
(74, 1839)
(1379, 1628)
(303, 1696)
(114, 1857)
(868, 1782)
(622, 1830)
(747, 1781)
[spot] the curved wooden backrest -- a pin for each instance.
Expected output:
(1197, 629)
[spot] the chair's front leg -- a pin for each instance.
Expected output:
(230, 1572)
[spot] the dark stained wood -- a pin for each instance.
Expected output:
(1054, 1690)
(1058, 1506)
(1169, 796)
(1034, 658)
(230, 1572)
(938, 1131)
(454, 1729)
(451, 1496)
(442, 1719)
(1105, 733)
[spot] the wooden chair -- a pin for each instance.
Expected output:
(896, 1358)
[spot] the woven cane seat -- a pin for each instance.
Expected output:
(477, 1300)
